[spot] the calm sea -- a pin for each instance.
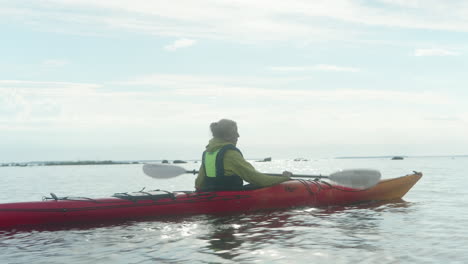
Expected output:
(429, 226)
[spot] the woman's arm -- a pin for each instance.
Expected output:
(235, 164)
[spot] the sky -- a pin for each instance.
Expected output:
(143, 80)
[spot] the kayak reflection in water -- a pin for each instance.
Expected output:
(223, 166)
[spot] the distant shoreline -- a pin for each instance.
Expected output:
(67, 163)
(87, 162)
(404, 156)
(111, 162)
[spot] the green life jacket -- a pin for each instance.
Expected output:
(215, 178)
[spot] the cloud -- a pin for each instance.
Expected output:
(54, 63)
(324, 67)
(180, 43)
(320, 67)
(403, 3)
(238, 88)
(290, 68)
(68, 86)
(82, 105)
(435, 52)
(32, 101)
(157, 110)
(240, 21)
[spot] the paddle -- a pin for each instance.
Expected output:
(353, 178)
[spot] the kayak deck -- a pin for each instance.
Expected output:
(146, 205)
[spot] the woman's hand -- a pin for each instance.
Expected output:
(287, 174)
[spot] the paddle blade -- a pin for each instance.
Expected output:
(163, 171)
(356, 178)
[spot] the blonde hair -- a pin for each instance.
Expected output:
(223, 129)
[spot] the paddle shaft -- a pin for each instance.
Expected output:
(279, 175)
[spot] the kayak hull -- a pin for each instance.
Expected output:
(294, 193)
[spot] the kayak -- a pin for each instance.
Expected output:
(56, 211)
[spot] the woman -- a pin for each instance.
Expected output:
(223, 166)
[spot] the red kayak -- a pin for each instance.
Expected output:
(56, 211)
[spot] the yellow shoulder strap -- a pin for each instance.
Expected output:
(210, 163)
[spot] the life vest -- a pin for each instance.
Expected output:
(215, 179)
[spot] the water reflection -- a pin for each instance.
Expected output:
(351, 227)
(232, 236)
(223, 242)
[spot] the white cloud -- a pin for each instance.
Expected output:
(320, 67)
(75, 105)
(301, 97)
(238, 88)
(33, 102)
(180, 43)
(325, 67)
(404, 3)
(243, 20)
(290, 68)
(54, 63)
(165, 107)
(182, 81)
(435, 52)
(44, 85)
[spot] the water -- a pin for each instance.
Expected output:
(428, 226)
